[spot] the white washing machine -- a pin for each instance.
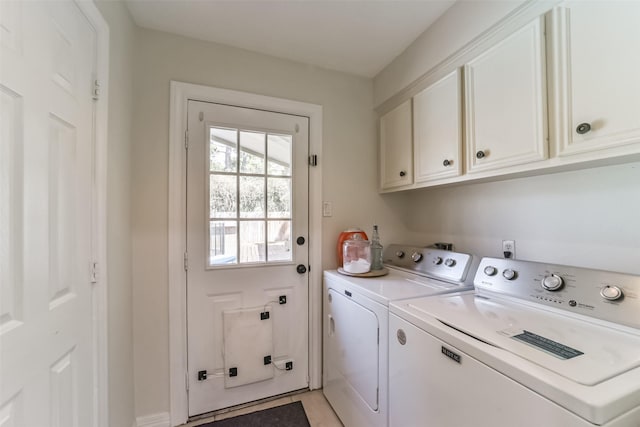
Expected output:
(534, 345)
(355, 328)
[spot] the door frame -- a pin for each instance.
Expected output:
(181, 94)
(99, 243)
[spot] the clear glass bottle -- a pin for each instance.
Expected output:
(376, 250)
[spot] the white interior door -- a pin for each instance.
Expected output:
(47, 66)
(247, 255)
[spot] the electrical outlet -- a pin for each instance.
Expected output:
(509, 249)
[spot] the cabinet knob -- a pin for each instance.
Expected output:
(447, 162)
(480, 154)
(402, 173)
(583, 128)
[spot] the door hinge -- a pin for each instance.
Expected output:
(186, 261)
(93, 276)
(313, 160)
(186, 139)
(96, 90)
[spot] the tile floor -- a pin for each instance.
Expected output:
(318, 410)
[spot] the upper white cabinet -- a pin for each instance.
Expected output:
(595, 66)
(437, 129)
(396, 168)
(505, 102)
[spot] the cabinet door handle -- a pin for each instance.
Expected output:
(583, 128)
(480, 154)
(402, 173)
(447, 162)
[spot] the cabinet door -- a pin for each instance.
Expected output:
(595, 63)
(396, 147)
(437, 133)
(505, 94)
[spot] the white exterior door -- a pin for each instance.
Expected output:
(47, 352)
(247, 255)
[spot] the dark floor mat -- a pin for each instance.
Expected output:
(289, 415)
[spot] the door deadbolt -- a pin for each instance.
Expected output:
(300, 240)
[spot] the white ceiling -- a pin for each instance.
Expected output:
(355, 36)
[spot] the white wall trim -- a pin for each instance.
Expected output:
(99, 243)
(181, 93)
(161, 419)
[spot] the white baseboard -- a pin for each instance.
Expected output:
(161, 419)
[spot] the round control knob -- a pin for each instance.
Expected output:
(490, 270)
(449, 262)
(437, 260)
(509, 274)
(611, 293)
(447, 163)
(481, 154)
(400, 254)
(552, 282)
(402, 173)
(416, 256)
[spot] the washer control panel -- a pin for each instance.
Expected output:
(606, 295)
(431, 262)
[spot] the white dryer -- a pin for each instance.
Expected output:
(534, 345)
(355, 328)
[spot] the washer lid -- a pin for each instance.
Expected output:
(581, 351)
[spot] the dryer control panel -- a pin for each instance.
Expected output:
(430, 262)
(606, 295)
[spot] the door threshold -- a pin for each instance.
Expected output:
(247, 405)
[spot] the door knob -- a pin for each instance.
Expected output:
(301, 269)
(480, 154)
(447, 162)
(402, 173)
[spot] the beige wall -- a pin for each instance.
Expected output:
(587, 218)
(349, 164)
(120, 319)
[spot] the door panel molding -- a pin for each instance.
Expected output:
(181, 93)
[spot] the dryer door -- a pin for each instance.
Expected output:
(353, 346)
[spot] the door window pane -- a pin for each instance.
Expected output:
(252, 197)
(222, 196)
(279, 197)
(279, 154)
(279, 241)
(223, 149)
(252, 238)
(252, 152)
(223, 242)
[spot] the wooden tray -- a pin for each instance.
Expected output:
(372, 273)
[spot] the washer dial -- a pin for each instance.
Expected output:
(611, 293)
(490, 270)
(509, 274)
(437, 260)
(416, 256)
(400, 254)
(449, 262)
(552, 282)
